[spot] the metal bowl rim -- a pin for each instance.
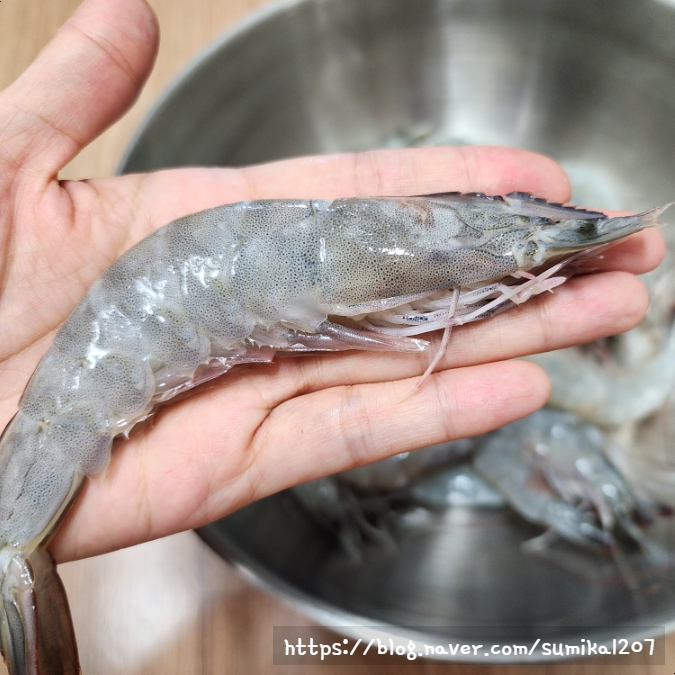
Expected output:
(202, 57)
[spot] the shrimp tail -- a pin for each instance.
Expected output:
(36, 628)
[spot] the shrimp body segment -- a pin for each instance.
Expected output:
(232, 285)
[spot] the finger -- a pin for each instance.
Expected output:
(81, 82)
(167, 195)
(149, 494)
(414, 171)
(343, 427)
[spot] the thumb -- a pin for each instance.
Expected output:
(81, 82)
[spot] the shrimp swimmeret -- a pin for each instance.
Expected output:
(232, 285)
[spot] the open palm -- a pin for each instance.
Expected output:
(265, 427)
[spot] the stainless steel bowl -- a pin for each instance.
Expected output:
(590, 83)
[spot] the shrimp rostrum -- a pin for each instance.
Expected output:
(232, 285)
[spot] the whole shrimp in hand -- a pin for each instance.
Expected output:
(258, 430)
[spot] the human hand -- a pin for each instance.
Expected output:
(260, 428)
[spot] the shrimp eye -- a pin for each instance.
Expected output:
(526, 253)
(531, 249)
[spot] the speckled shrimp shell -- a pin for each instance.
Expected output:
(232, 285)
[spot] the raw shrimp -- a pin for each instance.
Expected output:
(625, 378)
(604, 391)
(354, 504)
(357, 505)
(455, 486)
(646, 458)
(337, 508)
(400, 470)
(231, 285)
(552, 468)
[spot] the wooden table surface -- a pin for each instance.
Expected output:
(172, 606)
